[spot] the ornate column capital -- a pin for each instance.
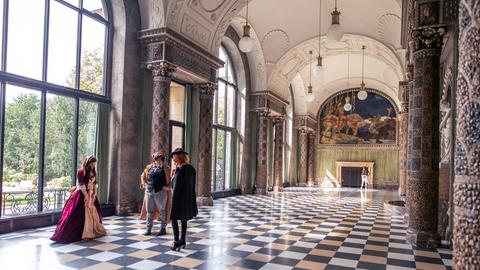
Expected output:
(162, 69)
(278, 119)
(428, 38)
(263, 113)
(207, 90)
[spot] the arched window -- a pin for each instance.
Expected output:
(228, 102)
(53, 79)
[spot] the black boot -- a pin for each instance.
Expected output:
(177, 246)
(162, 232)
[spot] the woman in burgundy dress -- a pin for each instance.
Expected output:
(81, 217)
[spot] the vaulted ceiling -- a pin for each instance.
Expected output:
(285, 31)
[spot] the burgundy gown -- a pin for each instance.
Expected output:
(70, 225)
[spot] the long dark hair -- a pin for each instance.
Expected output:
(87, 169)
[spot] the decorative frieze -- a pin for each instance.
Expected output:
(269, 102)
(164, 44)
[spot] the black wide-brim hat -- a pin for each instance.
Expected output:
(178, 151)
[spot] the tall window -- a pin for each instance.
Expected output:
(53, 76)
(226, 126)
(177, 116)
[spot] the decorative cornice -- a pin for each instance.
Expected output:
(268, 102)
(161, 69)
(163, 44)
(272, 95)
(428, 38)
(305, 122)
(166, 34)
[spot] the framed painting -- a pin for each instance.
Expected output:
(344, 119)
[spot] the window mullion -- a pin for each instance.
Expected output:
(41, 156)
(79, 50)
(76, 116)
(45, 40)
(4, 35)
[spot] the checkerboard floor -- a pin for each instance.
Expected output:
(301, 228)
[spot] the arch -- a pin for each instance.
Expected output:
(385, 63)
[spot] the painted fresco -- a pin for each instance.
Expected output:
(369, 121)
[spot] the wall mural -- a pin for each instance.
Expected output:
(345, 119)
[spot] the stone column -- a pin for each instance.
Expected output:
(311, 158)
(403, 138)
(162, 76)
(261, 173)
(423, 139)
(303, 144)
(466, 228)
(278, 154)
(204, 170)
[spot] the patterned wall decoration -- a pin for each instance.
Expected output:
(372, 121)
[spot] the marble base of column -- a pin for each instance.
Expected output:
(205, 201)
(261, 191)
(277, 189)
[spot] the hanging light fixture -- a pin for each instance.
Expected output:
(246, 42)
(347, 107)
(309, 97)
(335, 31)
(319, 69)
(362, 94)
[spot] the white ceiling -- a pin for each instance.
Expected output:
(287, 30)
(284, 32)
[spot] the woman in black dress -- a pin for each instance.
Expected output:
(184, 201)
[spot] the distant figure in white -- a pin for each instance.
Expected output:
(364, 174)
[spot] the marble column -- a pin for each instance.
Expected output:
(423, 139)
(278, 154)
(466, 228)
(303, 144)
(204, 170)
(261, 173)
(403, 138)
(162, 77)
(311, 158)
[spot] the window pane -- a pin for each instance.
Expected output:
(231, 106)
(62, 45)
(20, 167)
(242, 116)
(177, 102)
(58, 150)
(1, 25)
(93, 44)
(87, 130)
(220, 169)
(177, 137)
(25, 38)
(231, 78)
(72, 2)
(214, 161)
(228, 160)
(222, 72)
(94, 6)
(221, 103)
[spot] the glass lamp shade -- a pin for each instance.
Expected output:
(318, 70)
(309, 97)
(362, 95)
(347, 107)
(245, 44)
(335, 32)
